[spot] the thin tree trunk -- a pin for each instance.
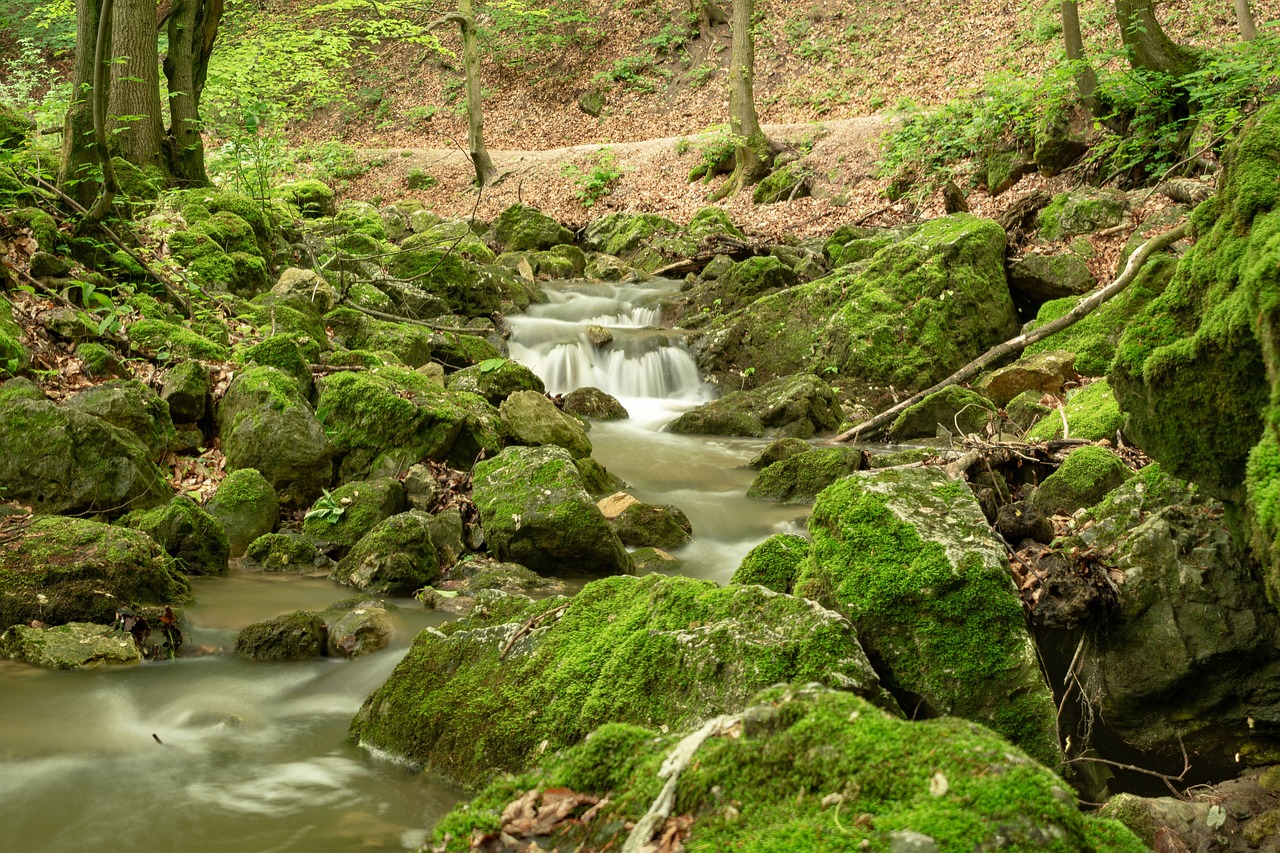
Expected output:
(136, 119)
(101, 96)
(78, 175)
(1017, 344)
(1244, 18)
(1086, 78)
(754, 152)
(1148, 46)
(192, 28)
(475, 111)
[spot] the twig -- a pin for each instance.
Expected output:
(396, 318)
(535, 622)
(1167, 778)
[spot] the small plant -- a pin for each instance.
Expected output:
(747, 374)
(420, 180)
(326, 508)
(596, 182)
(704, 72)
(491, 364)
(683, 145)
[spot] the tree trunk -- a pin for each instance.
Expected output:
(1244, 18)
(754, 152)
(1086, 78)
(475, 111)
(1146, 43)
(135, 116)
(78, 177)
(101, 97)
(193, 28)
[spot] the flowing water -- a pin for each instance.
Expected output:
(212, 754)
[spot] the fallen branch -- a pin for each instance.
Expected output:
(535, 622)
(1015, 345)
(1167, 778)
(396, 318)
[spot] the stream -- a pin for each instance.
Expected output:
(211, 754)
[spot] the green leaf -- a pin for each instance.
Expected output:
(491, 364)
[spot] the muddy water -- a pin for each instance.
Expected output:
(215, 755)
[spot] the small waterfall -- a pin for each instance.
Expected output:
(642, 362)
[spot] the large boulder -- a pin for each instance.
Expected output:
(60, 460)
(907, 554)
(798, 406)
(520, 228)
(529, 418)
(1044, 372)
(268, 425)
(799, 478)
(535, 511)
(495, 380)
(1082, 211)
(397, 557)
(57, 570)
(245, 507)
(739, 285)
(189, 534)
(652, 525)
(801, 768)
(360, 630)
(594, 404)
(75, 645)
(300, 635)
(488, 694)
(412, 345)
(775, 563)
(951, 411)
(344, 516)
(911, 314)
(1041, 277)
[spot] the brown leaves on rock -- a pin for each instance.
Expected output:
(197, 478)
(538, 814)
(1062, 588)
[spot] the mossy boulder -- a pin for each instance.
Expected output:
(593, 404)
(529, 418)
(268, 425)
(657, 651)
(359, 631)
(160, 336)
(363, 504)
(307, 285)
(799, 478)
(245, 507)
(75, 645)
(313, 198)
(1092, 414)
(99, 362)
(396, 557)
(385, 419)
(457, 237)
(300, 635)
(494, 381)
(411, 345)
(1041, 277)
(59, 569)
(1083, 479)
(774, 563)
(797, 406)
(739, 286)
(907, 554)
(283, 552)
(131, 405)
(282, 353)
(535, 511)
(648, 241)
(785, 184)
(953, 410)
(1082, 211)
(458, 283)
(15, 128)
(520, 228)
(60, 460)
(915, 312)
(187, 391)
(778, 451)
(652, 525)
(186, 532)
(14, 355)
(778, 778)
(1044, 373)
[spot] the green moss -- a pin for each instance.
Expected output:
(364, 504)
(282, 353)
(158, 336)
(279, 552)
(520, 228)
(312, 197)
(798, 479)
(1092, 413)
(13, 355)
(189, 534)
(774, 563)
(1082, 212)
(1084, 478)
(42, 226)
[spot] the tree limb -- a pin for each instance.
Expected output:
(1017, 344)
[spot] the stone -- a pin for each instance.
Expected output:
(520, 228)
(592, 403)
(343, 516)
(598, 336)
(495, 381)
(1044, 373)
(774, 563)
(798, 479)
(1084, 478)
(535, 511)
(652, 525)
(396, 557)
(1041, 277)
(300, 635)
(283, 353)
(75, 645)
(15, 128)
(312, 197)
(283, 552)
(421, 488)
(187, 392)
(530, 419)
(246, 507)
(1022, 520)
(186, 532)
(1081, 211)
(613, 505)
(643, 651)
(785, 184)
(951, 411)
(360, 631)
(798, 406)
(778, 451)
(46, 265)
(1092, 413)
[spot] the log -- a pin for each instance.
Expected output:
(1017, 344)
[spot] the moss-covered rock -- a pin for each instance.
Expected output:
(131, 405)
(312, 197)
(1041, 277)
(799, 478)
(495, 380)
(300, 635)
(283, 552)
(396, 557)
(784, 184)
(797, 406)
(15, 128)
(268, 425)
(385, 419)
(246, 507)
(778, 451)
(75, 645)
(60, 569)
(521, 228)
(739, 286)
(362, 630)
(907, 554)
(535, 511)
(1044, 373)
(457, 237)
(953, 410)
(652, 525)
(774, 564)
(187, 391)
(593, 404)
(1025, 409)
(658, 651)
(186, 532)
(362, 505)
(1083, 211)
(1092, 413)
(282, 353)
(529, 418)
(14, 355)
(780, 779)
(648, 241)
(159, 336)
(1083, 479)
(99, 362)
(411, 345)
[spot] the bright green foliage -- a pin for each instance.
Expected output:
(1092, 413)
(13, 355)
(596, 179)
(798, 747)
(774, 563)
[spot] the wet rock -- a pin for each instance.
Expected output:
(75, 645)
(495, 381)
(300, 635)
(798, 406)
(530, 419)
(396, 557)
(594, 404)
(652, 525)
(186, 532)
(246, 507)
(778, 451)
(346, 514)
(362, 630)
(798, 479)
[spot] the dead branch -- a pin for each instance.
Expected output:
(1167, 778)
(534, 622)
(1015, 345)
(396, 318)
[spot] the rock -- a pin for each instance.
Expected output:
(1001, 170)
(268, 425)
(1083, 479)
(596, 479)
(158, 336)
(99, 362)
(613, 505)
(363, 630)
(1025, 409)
(738, 286)
(451, 537)
(189, 534)
(1082, 211)
(15, 128)
(75, 645)
(779, 450)
(284, 552)
(397, 557)
(421, 488)
(520, 228)
(1060, 140)
(306, 285)
(648, 241)
(811, 740)
(300, 635)
(592, 103)
(598, 336)
(774, 563)
(187, 392)
(643, 651)
(1041, 277)
(458, 238)
(652, 525)
(345, 515)
(647, 560)
(1092, 413)
(59, 460)
(785, 184)
(907, 554)
(535, 511)
(60, 570)
(45, 265)
(282, 353)
(1023, 520)
(312, 197)
(1044, 373)
(131, 405)
(246, 507)
(953, 410)
(495, 381)
(594, 404)
(798, 479)
(480, 575)
(386, 419)
(411, 345)
(530, 419)
(916, 311)
(798, 406)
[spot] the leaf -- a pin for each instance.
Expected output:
(491, 364)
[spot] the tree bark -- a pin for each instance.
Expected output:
(78, 176)
(1086, 78)
(753, 152)
(192, 29)
(475, 111)
(136, 119)
(101, 97)
(1145, 41)
(1244, 19)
